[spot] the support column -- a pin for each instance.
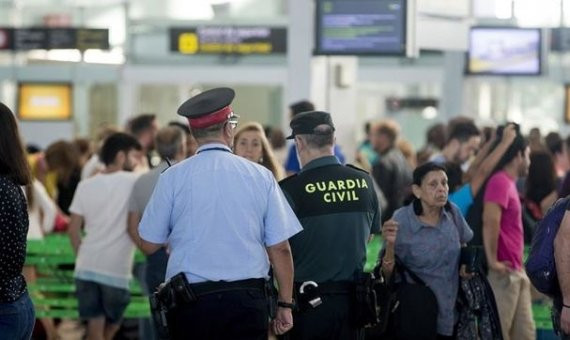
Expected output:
(127, 97)
(299, 50)
(81, 108)
(336, 88)
(452, 92)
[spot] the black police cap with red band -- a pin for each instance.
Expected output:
(208, 108)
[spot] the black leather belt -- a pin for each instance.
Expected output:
(212, 287)
(331, 287)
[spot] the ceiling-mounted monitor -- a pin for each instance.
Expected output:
(44, 101)
(504, 51)
(361, 27)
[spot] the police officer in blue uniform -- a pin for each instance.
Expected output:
(338, 209)
(224, 220)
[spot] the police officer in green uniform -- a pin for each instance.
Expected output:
(338, 209)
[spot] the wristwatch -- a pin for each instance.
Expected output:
(286, 304)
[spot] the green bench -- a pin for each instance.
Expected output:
(53, 293)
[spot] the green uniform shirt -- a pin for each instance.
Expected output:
(338, 208)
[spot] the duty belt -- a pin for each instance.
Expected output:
(330, 287)
(213, 287)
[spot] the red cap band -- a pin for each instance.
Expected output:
(211, 119)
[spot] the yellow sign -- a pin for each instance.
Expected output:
(44, 102)
(188, 43)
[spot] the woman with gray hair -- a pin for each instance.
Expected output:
(427, 236)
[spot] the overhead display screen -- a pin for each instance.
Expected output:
(25, 39)
(361, 27)
(260, 40)
(44, 101)
(504, 51)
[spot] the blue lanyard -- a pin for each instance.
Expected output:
(215, 149)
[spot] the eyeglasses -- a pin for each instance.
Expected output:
(233, 120)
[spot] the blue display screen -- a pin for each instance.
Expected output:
(361, 27)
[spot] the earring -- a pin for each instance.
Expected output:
(260, 160)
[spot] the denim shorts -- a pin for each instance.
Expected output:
(17, 319)
(96, 300)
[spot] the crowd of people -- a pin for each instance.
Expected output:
(231, 205)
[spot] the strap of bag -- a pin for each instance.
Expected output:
(403, 269)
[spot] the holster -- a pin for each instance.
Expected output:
(170, 294)
(271, 293)
(159, 316)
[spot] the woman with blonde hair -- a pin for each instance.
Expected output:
(251, 143)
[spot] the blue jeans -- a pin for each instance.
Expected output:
(151, 274)
(96, 300)
(17, 319)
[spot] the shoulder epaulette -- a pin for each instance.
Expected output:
(357, 168)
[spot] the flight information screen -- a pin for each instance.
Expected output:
(361, 27)
(504, 51)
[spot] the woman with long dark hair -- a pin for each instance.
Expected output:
(16, 309)
(540, 184)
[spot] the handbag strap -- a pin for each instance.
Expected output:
(402, 267)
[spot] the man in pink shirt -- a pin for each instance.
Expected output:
(503, 240)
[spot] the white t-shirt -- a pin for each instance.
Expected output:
(92, 167)
(42, 213)
(106, 251)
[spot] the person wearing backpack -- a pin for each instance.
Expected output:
(503, 242)
(561, 305)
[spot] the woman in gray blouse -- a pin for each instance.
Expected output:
(427, 236)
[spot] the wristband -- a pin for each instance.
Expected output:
(286, 305)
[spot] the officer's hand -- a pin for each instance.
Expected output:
(283, 321)
(390, 231)
(565, 320)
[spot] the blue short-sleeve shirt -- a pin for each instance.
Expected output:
(292, 162)
(218, 212)
(463, 198)
(433, 253)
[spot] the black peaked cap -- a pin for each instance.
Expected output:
(207, 102)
